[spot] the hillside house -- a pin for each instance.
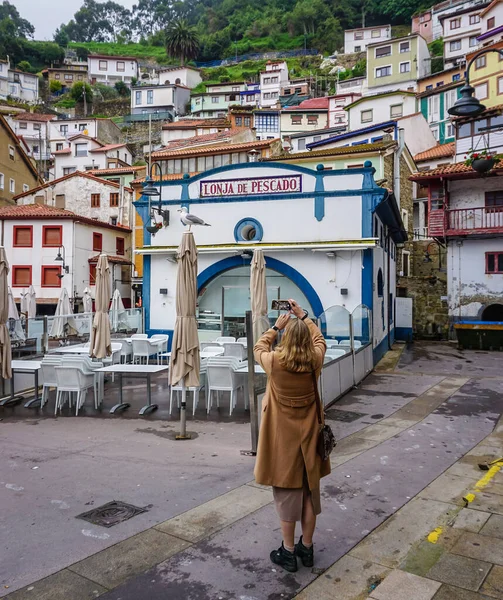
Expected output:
(272, 80)
(460, 30)
(357, 40)
(168, 100)
(111, 69)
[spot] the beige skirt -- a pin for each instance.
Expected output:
(289, 501)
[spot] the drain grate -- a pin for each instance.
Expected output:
(346, 416)
(111, 514)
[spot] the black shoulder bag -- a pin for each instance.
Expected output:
(326, 439)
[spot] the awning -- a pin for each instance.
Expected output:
(238, 248)
(388, 212)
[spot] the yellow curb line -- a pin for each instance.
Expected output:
(434, 535)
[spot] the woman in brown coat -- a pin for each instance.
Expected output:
(286, 457)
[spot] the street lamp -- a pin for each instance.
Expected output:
(61, 258)
(151, 191)
(468, 105)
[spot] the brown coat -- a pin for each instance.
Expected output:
(289, 427)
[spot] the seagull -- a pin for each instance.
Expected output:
(187, 219)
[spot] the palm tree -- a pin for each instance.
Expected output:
(182, 40)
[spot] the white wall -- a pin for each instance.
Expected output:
(187, 77)
(337, 116)
(79, 163)
(111, 73)
(381, 109)
(60, 131)
(351, 44)
(469, 288)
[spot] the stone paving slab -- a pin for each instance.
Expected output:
(349, 577)
(480, 547)
(493, 585)
(381, 432)
(460, 571)
(495, 488)
(447, 592)
(447, 488)
(487, 502)
(205, 520)
(493, 527)
(63, 585)
(399, 585)
(390, 543)
(471, 520)
(113, 566)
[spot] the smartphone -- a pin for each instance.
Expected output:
(280, 305)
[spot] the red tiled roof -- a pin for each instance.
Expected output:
(108, 147)
(454, 171)
(199, 140)
(118, 170)
(312, 104)
(192, 123)
(86, 174)
(438, 151)
(209, 149)
(118, 260)
(42, 211)
(170, 177)
(27, 116)
(80, 134)
(113, 57)
(340, 151)
(63, 151)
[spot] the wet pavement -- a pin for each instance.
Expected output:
(406, 429)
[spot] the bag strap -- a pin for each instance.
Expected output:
(317, 397)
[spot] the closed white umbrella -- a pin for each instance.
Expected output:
(15, 327)
(5, 349)
(258, 293)
(101, 345)
(29, 303)
(87, 300)
(118, 315)
(64, 323)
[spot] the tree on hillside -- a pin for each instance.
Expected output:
(122, 89)
(97, 22)
(22, 27)
(151, 16)
(61, 37)
(80, 91)
(182, 41)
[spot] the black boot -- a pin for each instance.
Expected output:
(284, 559)
(306, 555)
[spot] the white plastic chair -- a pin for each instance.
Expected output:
(164, 338)
(139, 336)
(221, 377)
(224, 339)
(234, 349)
(204, 345)
(216, 350)
(74, 380)
(126, 350)
(345, 343)
(243, 340)
(332, 344)
(177, 389)
(89, 367)
(143, 349)
(357, 344)
(48, 371)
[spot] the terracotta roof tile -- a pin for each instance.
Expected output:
(438, 151)
(209, 149)
(312, 104)
(191, 123)
(454, 171)
(342, 150)
(108, 147)
(198, 140)
(118, 170)
(118, 260)
(170, 177)
(63, 151)
(26, 116)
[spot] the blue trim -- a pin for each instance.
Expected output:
(361, 142)
(319, 199)
(404, 334)
(350, 134)
(240, 225)
(368, 279)
(380, 350)
(204, 278)
(146, 289)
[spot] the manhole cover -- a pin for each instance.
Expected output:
(111, 514)
(346, 416)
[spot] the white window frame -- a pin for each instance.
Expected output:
(120, 62)
(451, 49)
(405, 260)
(500, 85)
(433, 108)
(150, 96)
(12, 152)
(12, 186)
(452, 132)
(137, 97)
(479, 91)
(25, 187)
(367, 110)
(450, 97)
(404, 47)
(473, 39)
(375, 33)
(383, 55)
(435, 132)
(392, 116)
(103, 65)
(407, 62)
(2, 181)
(23, 125)
(301, 144)
(215, 99)
(390, 67)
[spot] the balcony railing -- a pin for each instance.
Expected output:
(420, 233)
(474, 220)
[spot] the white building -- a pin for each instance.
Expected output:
(337, 115)
(188, 76)
(111, 69)
(216, 100)
(189, 127)
(357, 40)
(465, 212)
(378, 108)
(86, 195)
(272, 80)
(355, 85)
(17, 84)
(102, 129)
(339, 253)
(460, 31)
(299, 141)
(170, 99)
(84, 153)
(33, 235)
(491, 24)
(35, 130)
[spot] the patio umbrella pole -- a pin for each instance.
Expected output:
(252, 396)
(183, 415)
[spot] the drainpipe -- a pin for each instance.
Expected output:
(396, 165)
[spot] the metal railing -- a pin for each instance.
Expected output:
(258, 56)
(420, 233)
(478, 219)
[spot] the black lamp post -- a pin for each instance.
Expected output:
(61, 258)
(151, 191)
(468, 105)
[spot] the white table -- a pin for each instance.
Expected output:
(71, 350)
(202, 354)
(244, 369)
(23, 366)
(134, 371)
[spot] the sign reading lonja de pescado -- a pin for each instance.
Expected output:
(249, 187)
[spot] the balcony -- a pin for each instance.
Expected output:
(466, 221)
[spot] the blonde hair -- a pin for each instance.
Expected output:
(296, 350)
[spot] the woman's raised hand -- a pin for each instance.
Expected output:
(282, 321)
(296, 309)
